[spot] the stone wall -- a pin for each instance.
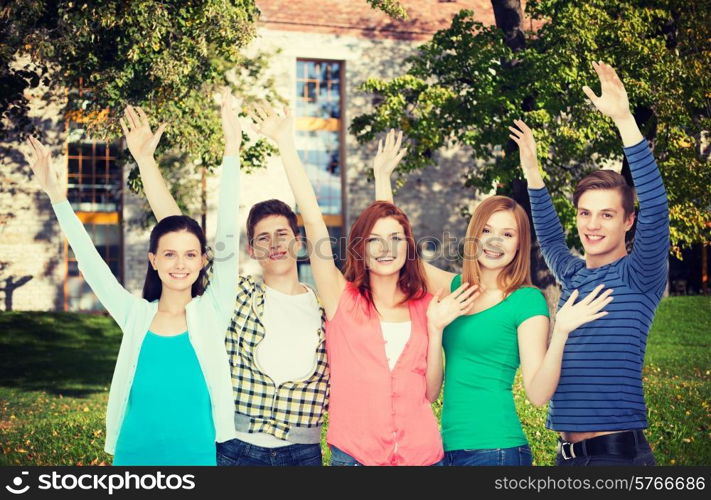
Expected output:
(31, 247)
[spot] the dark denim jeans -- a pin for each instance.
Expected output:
(518, 455)
(643, 456)
(340, 458)
(236, 452)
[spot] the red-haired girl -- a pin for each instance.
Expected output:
(384, 355)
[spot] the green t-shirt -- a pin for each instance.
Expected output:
(481, 353)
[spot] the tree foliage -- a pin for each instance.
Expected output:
(466, 86)
(166, 56)
(393, 8)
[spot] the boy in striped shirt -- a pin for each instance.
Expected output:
(598, 407)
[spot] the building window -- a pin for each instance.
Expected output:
(94, 182)
(94, 179)
(319, 141)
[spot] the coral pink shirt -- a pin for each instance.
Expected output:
(379, 416)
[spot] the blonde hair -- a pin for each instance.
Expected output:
(518, 272)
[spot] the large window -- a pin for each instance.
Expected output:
(94, 180)
(319, 140)
(94, 191)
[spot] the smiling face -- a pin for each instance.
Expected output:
(178, 260)
(386, 247)
(498, 240)
(275, 246)
(602, 225)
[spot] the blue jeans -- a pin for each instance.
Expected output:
(518, 455)
(340, 458)
(236, 452)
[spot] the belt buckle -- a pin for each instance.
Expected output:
(570, 448)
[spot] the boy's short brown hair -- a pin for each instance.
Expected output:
(606, 179)
(267, 208)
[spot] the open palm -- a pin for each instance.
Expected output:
(51, 179)
(389, 154)
(141, 141)
(275, 126)
(522, 135)
(231, 128)
(443, 309)
(613, 101)
(573, 315)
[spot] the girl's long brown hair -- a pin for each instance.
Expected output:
(518, 272)
(153, 286)
(412, 274)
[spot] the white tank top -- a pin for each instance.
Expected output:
(396, 336)
(288, 350)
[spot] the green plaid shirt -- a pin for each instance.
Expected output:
(294, 405)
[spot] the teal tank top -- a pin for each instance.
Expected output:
(168, 419)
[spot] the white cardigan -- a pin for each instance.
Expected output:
(208, 315)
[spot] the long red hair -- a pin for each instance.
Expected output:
(412, 274)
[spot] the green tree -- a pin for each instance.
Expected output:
(166, 56)
(468, 83)
(392, 8)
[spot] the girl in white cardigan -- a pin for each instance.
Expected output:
(171, 392)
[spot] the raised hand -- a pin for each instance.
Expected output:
(141, 141)
(231, 128)
(279, 128)
(523, 136)
(613, 100)
(51, 179)
(572, 315)
(443, 310)
(389, 154)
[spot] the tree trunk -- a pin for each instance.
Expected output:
(509, 19)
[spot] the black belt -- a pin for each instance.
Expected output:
(620, 443)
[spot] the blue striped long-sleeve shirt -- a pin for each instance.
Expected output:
(600, 387)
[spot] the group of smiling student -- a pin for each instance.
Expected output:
(200, 380)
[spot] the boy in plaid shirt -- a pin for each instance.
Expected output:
(275, 342)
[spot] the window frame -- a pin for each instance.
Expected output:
(332, 220)
(96, 217)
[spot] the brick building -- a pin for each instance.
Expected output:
(327, 49)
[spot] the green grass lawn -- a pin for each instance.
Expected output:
(55, 370)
